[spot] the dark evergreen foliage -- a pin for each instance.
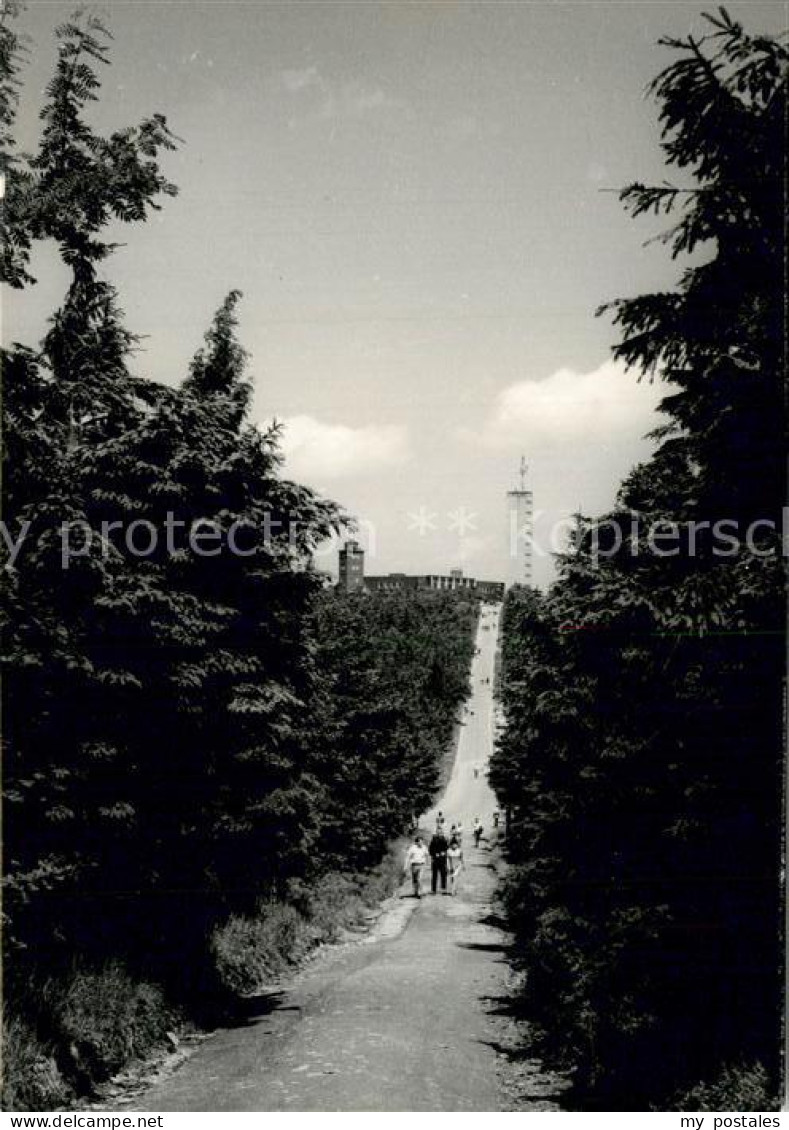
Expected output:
(192, 724)
(16, 239)
(643, 696)
(394, 672)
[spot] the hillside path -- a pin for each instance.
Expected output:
(409, 1019)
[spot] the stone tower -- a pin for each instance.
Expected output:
(351, 567)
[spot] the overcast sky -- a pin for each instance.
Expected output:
(410, 197)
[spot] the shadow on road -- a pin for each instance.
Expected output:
(485, 947)
(502, 1006)
(535, 1084)
(507, 1050)
(494, 920)
(251, 1010)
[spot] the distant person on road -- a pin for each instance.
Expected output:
(440, 822)
(415, 859)
(496, 818)
(477, 831)
(454, 863)
(459, 832)
(438, 854)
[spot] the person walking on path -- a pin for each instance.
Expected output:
(455, 863)
(438, 854)
(477, 831)
(415, 860)
(459, 833)
(440, 823)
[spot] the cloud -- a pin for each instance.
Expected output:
(469, 127)
(315, 450)
(581, 433)
(602, 407)
(355, 100)
(297, 80)
(349, 99)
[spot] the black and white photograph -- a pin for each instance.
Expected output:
(394, 537)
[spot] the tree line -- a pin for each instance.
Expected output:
(642, 756)
(193, 727)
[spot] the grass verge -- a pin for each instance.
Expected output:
(251, 951)
(78, 1030)
(71, 1033)
(744, 1087)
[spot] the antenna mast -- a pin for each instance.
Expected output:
(524, 468)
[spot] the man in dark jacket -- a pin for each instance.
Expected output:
(438, 855)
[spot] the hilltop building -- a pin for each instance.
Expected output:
(455, 581)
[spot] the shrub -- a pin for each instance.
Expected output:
(381, 881)
(31, 1079)
(105, 1019)
(78, 1030)
(736, 1088)
(334, 904)
(249, 951)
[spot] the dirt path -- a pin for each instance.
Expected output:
(408, 1019)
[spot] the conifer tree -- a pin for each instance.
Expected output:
(643, 696)
(73, 392)
(16, 175)
(217, 369)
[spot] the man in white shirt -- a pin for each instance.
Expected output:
(415, 859)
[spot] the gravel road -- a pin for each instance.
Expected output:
(409, 1018)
